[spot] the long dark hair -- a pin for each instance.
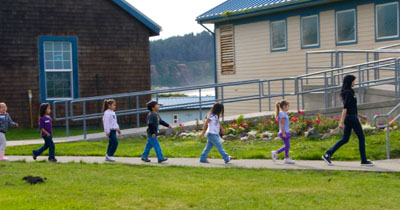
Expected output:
(217, 109)
(347, 81)
(107, 103)
(42, 109)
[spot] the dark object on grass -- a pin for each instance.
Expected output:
(34, 179)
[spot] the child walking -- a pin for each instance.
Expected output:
(349, 121)
(5, 121)
(111, 128)
(46, 129)
(153, 121)
(284, 132)
(213, 127)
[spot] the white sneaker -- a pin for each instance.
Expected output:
(289, 161)
(274, 156)
(110, 158)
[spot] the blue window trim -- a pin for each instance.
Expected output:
(270, 35)
(301, 31)
(375, 20)
(356, 26)
(74, 41)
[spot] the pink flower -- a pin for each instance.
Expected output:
(276, 121)
(317, 121)
(300, 112)
(269, 120)
(308, 122)
(378, 113)
(181, 125)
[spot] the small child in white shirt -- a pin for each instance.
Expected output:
(111, 127)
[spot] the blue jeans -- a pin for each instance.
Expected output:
(213, 140)
(351, 122)
(112, 143)
(48, 143)
(152, 142)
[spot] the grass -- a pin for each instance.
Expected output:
(192, 148)
(119, 186)
(34, 133)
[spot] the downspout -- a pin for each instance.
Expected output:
(215, 59)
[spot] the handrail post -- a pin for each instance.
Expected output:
(302, 94)
(326, 91)
(66, 119)
(259, 97)
(84, 119)
(296, 92)
(222, 101)
(200, 112)
(269, 95)
(137, 112)
(388, 141)
(283, 89)
(396, 77)
(359, 84)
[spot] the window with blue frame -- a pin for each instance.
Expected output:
(346, 26)
(310, 31)
(278, 35)
(58, 70)
(387, 20)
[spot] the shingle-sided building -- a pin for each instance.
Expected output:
(267, 39)
(69, 49)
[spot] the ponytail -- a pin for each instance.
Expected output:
(277, 105)
(107, 103)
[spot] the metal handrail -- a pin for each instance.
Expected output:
(329, 81)
(387, 126)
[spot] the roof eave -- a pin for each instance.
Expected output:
(155, 29)
(256, 12)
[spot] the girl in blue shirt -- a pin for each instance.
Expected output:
(284, 132)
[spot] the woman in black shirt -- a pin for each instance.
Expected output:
(349, 121)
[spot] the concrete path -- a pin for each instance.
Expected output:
(381, 165)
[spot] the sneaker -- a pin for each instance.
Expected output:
(274, 156)
(109, 159)
(230, 158)
(147, 160)
(206, 161)
(289, 161)
(162, 160)
(34, 156)
(327, 159)
(53, 160)
(368, 163)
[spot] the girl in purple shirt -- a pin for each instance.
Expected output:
(46, 128)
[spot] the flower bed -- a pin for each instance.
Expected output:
(316, 127)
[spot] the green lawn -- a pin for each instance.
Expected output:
(300, 148)
(118, 186)
(34, 133)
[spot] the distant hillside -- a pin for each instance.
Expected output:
(182, 60)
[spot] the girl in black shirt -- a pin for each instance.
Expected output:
(349, 121)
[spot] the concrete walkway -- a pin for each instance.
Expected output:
(381, 165)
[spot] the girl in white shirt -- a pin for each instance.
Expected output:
(111, 127)
(213, 127)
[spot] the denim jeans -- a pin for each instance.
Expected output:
(213, 140)
(48, 143)
(152, 142)
(112, 143)
(351, 122)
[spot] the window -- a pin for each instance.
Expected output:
(58, 68)
(278, 35)
(175, 119)
(227, 50)
(310, 31)
(346, 27)
(387, 20)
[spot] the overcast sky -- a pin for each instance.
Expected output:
(176, 17)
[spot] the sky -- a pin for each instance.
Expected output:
(176, 17)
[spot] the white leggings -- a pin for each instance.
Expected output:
(2, 141)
